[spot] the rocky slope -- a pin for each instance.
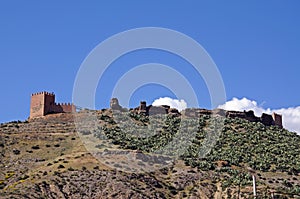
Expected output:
(53, 157)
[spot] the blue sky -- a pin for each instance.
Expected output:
(255, 45)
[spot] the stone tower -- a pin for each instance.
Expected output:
(41, 104)
(143, 107)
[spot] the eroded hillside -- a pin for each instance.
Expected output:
(51, 157)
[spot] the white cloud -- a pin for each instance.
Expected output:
(173, 103)
(290, 116)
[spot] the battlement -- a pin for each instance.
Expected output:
(63, 104)
(43, 103)
(43, 93)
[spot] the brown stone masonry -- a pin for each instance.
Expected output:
(43, 103)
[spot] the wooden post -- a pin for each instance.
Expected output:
(239, 187)
(272, 195)
(254, 186)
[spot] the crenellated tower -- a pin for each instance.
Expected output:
(43, 103)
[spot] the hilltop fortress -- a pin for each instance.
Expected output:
(266, 119)
(43, 103)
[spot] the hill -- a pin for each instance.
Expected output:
(174, 157)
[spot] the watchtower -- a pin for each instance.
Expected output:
(142, 107)
(41, 104)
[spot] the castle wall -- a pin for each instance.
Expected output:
(56, 108)
(190, 112)
(156, 110)
(68, 108)
(62, 108)
(196, 112)
(153, 110)
(267, 119)
(277, 119)
(247, 115)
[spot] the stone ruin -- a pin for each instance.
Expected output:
(43, 103)
(268, 120)
(144, 109)
(155, 110)
(114, 104)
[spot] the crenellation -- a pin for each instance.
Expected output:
(43, 93)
